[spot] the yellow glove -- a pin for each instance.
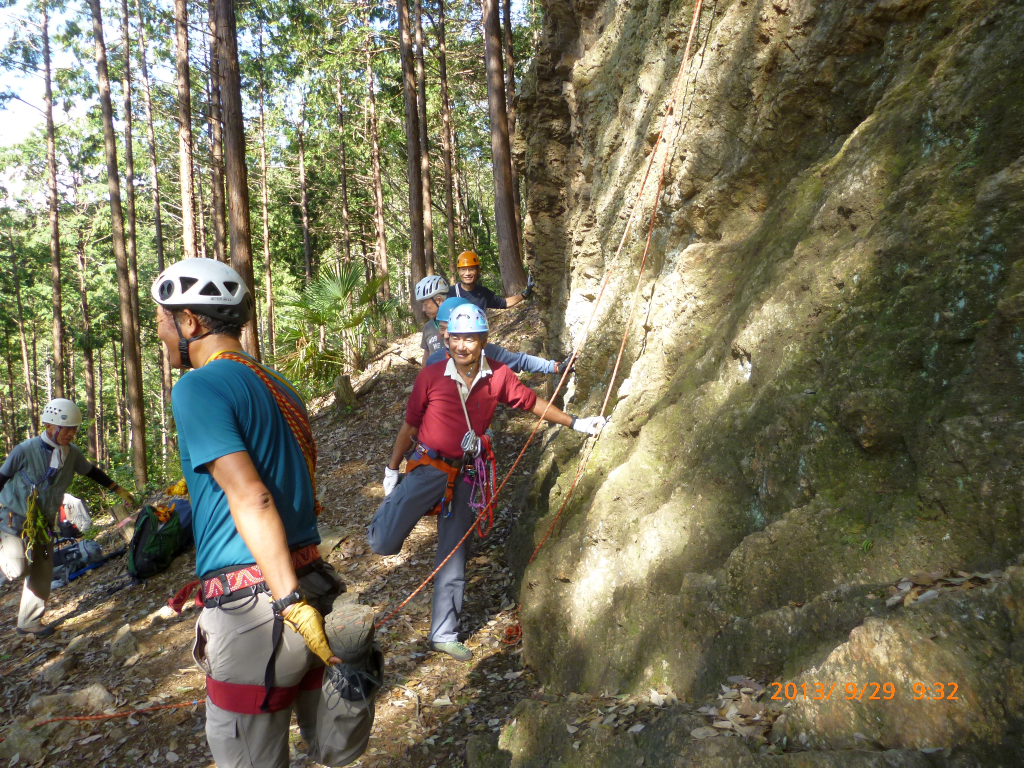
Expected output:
(178, 489)
(307, 621)
(124, 494)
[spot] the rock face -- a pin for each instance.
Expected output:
(825, 369)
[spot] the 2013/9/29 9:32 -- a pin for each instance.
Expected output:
(865, 692)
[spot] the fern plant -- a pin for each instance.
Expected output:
(331, 327)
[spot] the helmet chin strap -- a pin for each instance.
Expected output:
(186, 361)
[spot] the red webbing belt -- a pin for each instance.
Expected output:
(290, 403)
(248, 699)
(422, 457)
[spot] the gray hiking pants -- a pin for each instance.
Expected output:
(394, 520)
(233, 645)
(38, 576)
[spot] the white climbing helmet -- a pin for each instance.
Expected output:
(205, 286)
(62, 412)
(467, 318)
(431, 286)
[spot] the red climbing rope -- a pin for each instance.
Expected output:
(118, 714)
(637, 207)
(513, 634)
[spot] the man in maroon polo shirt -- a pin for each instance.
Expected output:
(451, 406)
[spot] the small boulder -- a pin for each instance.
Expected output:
(124, 645)
(91, 700)
(78, 644)
(94, 699)
(21, 745)
(329, 538)
(58, 668)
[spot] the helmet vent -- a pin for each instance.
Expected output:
(187, 282)
(232, 286)
(210, 289)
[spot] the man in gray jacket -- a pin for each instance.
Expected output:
(41, 467)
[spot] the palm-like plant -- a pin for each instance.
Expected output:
(331, 327)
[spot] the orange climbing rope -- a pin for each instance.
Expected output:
(118, 714)
(637, 207)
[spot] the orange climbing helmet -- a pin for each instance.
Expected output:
(467, 259)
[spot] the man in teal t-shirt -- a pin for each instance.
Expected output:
(273, 615)
(220, 409)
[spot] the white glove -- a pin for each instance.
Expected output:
(592, 425)
(390, 480)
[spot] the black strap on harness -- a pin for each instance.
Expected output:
(268, 676)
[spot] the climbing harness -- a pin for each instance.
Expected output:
(670, 113)
(216, 589)
(423, 454)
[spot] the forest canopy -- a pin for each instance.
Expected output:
(333, 152)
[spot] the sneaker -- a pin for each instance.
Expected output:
(349, 629)
(455, 649)
(40, 632)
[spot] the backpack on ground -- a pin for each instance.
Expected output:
(160, 535)
(72, 557)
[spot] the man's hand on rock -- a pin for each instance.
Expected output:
(590, 425)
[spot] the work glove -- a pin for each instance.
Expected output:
(567, 364)
(471, 445)
(124, 494)
(390, 480)
(307, 621)
(528, 292)
(591, 425)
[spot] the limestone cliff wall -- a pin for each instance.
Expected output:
(823, 383)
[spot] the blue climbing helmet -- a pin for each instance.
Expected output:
(444, 312)
(467, 319)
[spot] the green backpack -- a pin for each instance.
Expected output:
(154, 544)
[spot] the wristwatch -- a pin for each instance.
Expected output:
(284, 602)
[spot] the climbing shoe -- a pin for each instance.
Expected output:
(455, 649)
(349, 629)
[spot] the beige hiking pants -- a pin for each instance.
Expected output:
(38, 576)
(233, 644)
